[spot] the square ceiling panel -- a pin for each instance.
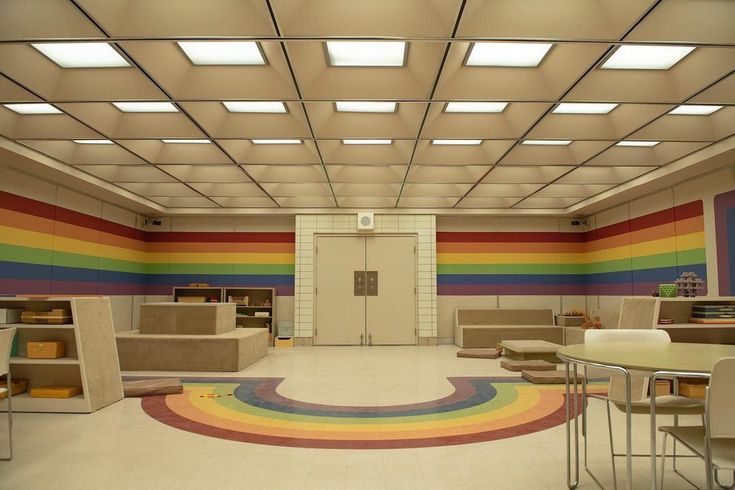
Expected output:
(219, 122)
(703, 21)
(603, 175)
(714, 127)
(42, 126)
(12, 92)
(336, 152)
(158, 152)
(287, 173)
(160, 189)
(525, 175)
(572, 154)
(305, 201)
(127, 173)
(183, 201)
(245, 152)
(546, 202)
(512, 122)
(318, 80)
(698, 69)
(486, 153)
(297, 189)
(504, 190)
(488, 202)
(44, 19)
(455, 174)
(366, 202)
(228, 189)
(572, 190)
(244, 202)
(75, 154)
(560, 19)
(168, 64)
(617, 124)
(164, 18)
(329, 123)
(411, 18)
(435, 190)
(426, 202)
(366, 190)
(558, 70)
(372, 174)
(661, 154)
(206, 173)
(722, 92)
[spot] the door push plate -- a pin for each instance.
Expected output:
(372, 283)
(359, 283)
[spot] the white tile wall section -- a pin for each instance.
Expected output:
(424, 226)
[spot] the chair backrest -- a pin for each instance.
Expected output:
(6, 341)
(638, 312)
(721, 399)
(639, 381)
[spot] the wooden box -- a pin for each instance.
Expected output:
(192, 299)
(283, 342)
(56, 392)
(663, 387)
(56, 316)
(693, 389)
(52, 349)
(20, 385)
(239, 300)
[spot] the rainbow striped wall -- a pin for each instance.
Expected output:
(725, 236)
(627, 258)
(47, 249)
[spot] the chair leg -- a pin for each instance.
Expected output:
(612, 447)
(663, 460)
(10, 424)
(726, 487)
(709, 467)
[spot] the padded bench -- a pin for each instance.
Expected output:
(487, 328)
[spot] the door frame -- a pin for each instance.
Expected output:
(414, 235)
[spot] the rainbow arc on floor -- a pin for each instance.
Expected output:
(251, 410)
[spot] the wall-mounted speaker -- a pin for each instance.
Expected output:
(365, 221)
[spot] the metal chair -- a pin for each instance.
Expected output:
(640, 400)
(714, 441)
(6, 341)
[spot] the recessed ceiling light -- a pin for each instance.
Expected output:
(223, 52)
(583, 108)
(367, 142)
(145, 106)
(186, 142)
(546, 142)
(695, 110)
(362, 53)
(507, 54)
(475, 106)
(82, 55)
(456, 142)
(276, 142)
(93, 142)
(33, 108)
(261, 107)
(637, 143)
(358, 106)
(640, 57)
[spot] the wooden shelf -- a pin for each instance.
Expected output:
(25, 403)
(38, 326)
(250, 306)
(60, 360)
(251, 316)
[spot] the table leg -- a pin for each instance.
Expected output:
(628, 432)
(652, 389)
(571, 484)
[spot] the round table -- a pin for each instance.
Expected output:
(675, 358)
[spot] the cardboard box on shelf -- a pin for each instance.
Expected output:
(192, 299)
(52, 349)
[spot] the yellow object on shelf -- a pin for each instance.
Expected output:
(693, 389)
(192, 299)
(52, 349)
(20, 385)
(283, 342)
(56, 392)
(56, 316)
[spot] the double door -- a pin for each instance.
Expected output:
(365, 290)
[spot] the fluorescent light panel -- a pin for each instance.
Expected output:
(507, 54)
(456, 142)
(470, 107)
(93, 142)
(33, 108)
(640, 57)
(259, 107)
(82, 55)
(363, 53)
(546, 142)
(637, 143)
(359, 106)
(583, 108)
(186, 142)
(695, 110)
(367, 142)
(223, 52)
(145, 106)
(276, 142)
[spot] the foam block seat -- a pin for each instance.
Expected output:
(230, 351)
(548, 377)
(187, 318)
(475, 328)
(152, 387)
(534, 365)
(479, 353)
(524, 350)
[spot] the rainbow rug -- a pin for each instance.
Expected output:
(250, 410)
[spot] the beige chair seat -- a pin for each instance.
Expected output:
(665, 405)
(723, 450)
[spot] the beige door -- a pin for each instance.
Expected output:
(391, 314)
(340, 314)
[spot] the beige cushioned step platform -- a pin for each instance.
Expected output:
(151, 387)
(187, 318)
(231, 351)
(548, 377)
(517, 366)
(479, 353)
(487, 327)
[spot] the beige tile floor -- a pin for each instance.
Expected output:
(120, 447)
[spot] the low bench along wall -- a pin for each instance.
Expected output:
(488, 327)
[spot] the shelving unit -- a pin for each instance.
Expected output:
(256, 299)
(91, 359)
(209, 293)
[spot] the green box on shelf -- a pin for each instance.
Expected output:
(667, 290)
(14, 346)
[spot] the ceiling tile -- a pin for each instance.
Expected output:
(661, 154)
(435, 190)
(722, 92)
(244, 151)
(335, 152)
(244, 202)
(503, 190)
(127, 173)
(366, 190)
(206, 173)
(703, 21)
(513, 122)
(525, 175)
(221, 123)
(42, 126)
(428, 174)
(328, 123)
(225, 189)
(297, 190)
(426, 202)
(287, 173)
(603, 175)
(161, 190)
(366, 202)
(305, 202)
(486, 153)
(183, 202)
(714, 127)
(573, 154)
(366, 173)
(571, 190)
(74, 154)
(487, 202)
(156, 151)
(12, 92)
(547, 202)
(43, 19)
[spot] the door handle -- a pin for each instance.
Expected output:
(372, 283)
(361, 339)
(359, 282)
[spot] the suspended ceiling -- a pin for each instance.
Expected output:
(500, 174)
